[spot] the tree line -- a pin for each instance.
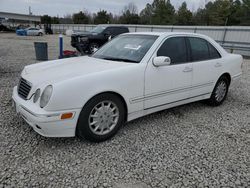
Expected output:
(162, 12)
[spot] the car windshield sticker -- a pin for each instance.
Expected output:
(132, 46)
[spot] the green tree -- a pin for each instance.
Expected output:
(102, 17)
(235, 13)
(163, 12)
(81, 18)
(55, 20)
(199, 17)
(67, 19)
(130, 14)
(146, 14)
(184, 16)
(214, 13)
(46, 19)
(246, 12)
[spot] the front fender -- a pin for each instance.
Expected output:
(74, 93)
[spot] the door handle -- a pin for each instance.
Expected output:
(188, 69)
(218, 65)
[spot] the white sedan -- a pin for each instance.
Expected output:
(32, 31)
(133, 75)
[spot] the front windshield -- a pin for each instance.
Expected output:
(127, 48)
(98, 29)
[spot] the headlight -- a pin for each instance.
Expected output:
(37, 95)
(47, 92)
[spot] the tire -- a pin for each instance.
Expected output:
(92, 46)
(220, 91)
(94, 120)
(40, 34)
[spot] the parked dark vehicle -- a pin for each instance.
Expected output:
(88, 42)
(47, 29)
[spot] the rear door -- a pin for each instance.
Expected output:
(36, 31)
(206, 66)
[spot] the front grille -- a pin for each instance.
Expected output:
(74, 39)
(24, 88)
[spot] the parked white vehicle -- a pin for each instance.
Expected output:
(133, 75)
(32, 31)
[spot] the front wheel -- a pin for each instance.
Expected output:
(101, 118)
(220, 92)
(40, 34)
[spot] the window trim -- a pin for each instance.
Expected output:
(215, 49)
(186, 45)
(207, 42)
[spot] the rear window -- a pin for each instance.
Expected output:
(214, 54)
(199, 49)
(120, 30)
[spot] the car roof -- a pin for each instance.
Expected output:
(108, 25)
(165, 34)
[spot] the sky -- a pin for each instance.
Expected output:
(64, 7)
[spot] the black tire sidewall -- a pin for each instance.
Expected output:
(83, 130)
(213, 100)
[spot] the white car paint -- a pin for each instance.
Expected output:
(32, 31)
(144, 87)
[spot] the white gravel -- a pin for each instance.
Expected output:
(189, 146)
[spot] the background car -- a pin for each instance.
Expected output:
(88, 42)
(31, 31)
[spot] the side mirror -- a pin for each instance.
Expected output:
(161, 61)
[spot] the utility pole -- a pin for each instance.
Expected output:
(30, 13)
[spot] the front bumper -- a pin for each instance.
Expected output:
(48, 124)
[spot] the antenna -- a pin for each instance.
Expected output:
(30, 13)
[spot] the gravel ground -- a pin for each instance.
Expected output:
(189, 146)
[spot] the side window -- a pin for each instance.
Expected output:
(116, 31)
(175, 48)
(214, 54)
(109, 30)
(123, 30)
(199, 49)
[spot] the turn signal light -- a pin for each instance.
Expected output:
(67, 115)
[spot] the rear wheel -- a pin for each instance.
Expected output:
(101, 118)
(220, 92)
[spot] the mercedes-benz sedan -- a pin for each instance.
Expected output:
(133, 75)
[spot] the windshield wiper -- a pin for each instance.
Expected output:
(120, 59)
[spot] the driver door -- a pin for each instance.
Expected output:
(171, 83)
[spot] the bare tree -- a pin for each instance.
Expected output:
(131, 8)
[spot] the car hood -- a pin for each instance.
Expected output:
(82, 33)
(59, 70)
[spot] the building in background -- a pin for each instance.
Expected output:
(13, 19)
